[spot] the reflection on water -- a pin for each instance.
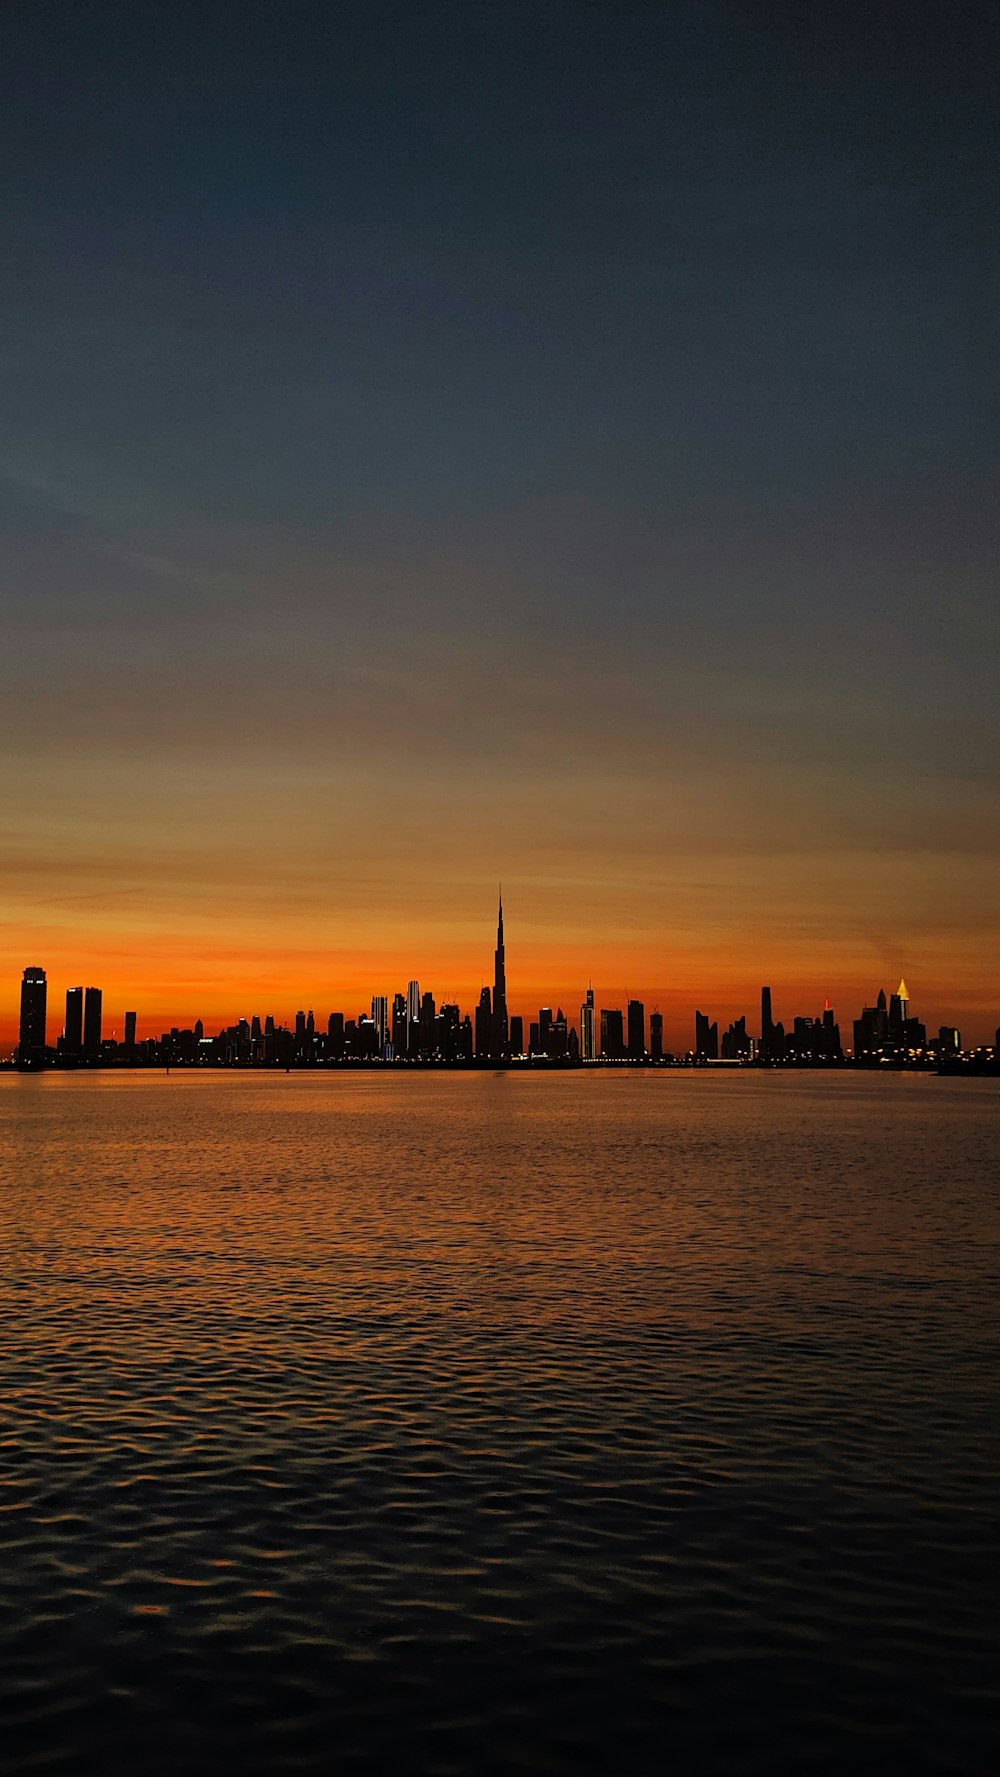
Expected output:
(454, 1423)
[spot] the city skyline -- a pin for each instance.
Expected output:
(416, 1025)
(351, 980)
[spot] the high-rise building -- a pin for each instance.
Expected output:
(830, 1041)
(656, 1035)
(766, 1026)
(428, 1017)
(413, 1017)
(871, 1030)
(899, 1011)
(92, 1021)
(130, 1030)
(31, 1029)
(612, 1034)
(636, 1030)
(706, 1038)
(501, 1033)
(484, 1024)
(448, 1027)
(380, 1018)
(73, 1036)
(588, 1033)
(517, 1035)
(545, 1030)
(399, 1024)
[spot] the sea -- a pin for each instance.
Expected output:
(613, 1421)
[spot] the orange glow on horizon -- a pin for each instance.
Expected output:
(176, 980)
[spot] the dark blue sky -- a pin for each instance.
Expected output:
(601, 396)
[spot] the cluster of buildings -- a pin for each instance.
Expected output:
(412, 1028)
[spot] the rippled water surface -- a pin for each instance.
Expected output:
(606, 1422)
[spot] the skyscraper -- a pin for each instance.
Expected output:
(92, 1021)
(449, 1023)
(399, 1024)
(73, 1037)
(130, 1030)
(428, 1015)
(31, 1030)
(612, 1034)
(501, 1034)
(380, 1018)
(766, 1026)
(412, 1017)
(706, 1038)
(588, 1034)
(484, 1024)
(656, 1035)
(636, 1030)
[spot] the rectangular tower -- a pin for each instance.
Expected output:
(73, 1039)
(31, 1029)
(92, 1021)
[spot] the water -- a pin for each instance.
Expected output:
(604, 1422)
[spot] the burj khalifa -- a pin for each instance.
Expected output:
(501, 1034)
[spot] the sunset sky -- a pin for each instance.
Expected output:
(444, 443)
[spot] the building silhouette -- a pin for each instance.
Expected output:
(413, 1018)
(656, 1036)
(130, 1021)
(501, 1032)
(92, 1000)
(612, 1034)
(517, 1035)
(31, 1026)
(737, 1044)
(484, 1025)
(73, 1033)
(767, 1044)
(398, 1032)
(706, 1038)
(588, 1032)
(636, 1030)
(428, 1021)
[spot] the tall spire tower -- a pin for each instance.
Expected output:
(501, 1035)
